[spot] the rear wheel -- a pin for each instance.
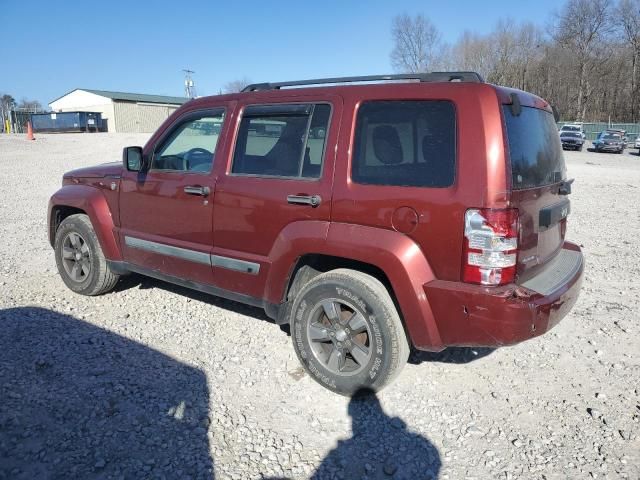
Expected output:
(347, 332)
(79, 258)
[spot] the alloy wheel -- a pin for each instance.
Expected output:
(76, 257)
(340, 337)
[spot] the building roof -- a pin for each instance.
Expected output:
(131, 97)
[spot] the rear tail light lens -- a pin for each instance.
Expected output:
(490, 246)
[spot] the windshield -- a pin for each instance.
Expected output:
(534, 148)
(567, 128)
(610, 136)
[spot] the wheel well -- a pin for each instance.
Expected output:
(58, 214)
(311, 265)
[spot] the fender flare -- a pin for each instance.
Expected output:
(91, 201)
(397, 255)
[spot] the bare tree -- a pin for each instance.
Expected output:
(417, 43)
(236, 86)
(628, 16)
(30, 105)
(585, 60)
(583, 27)
(473, 52)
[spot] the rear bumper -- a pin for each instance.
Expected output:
(473, 315)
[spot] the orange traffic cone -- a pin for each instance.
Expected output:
(30, 132)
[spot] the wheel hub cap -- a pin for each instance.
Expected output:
(76, 257)
(339, 337)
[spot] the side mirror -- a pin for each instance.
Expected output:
(132, 158)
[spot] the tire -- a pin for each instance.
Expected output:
(364, 317)
(79, 257)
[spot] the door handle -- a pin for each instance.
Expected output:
(311, 200)
(197, 190)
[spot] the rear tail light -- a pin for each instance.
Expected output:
(490, 246)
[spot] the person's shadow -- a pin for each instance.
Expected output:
(381, 447)
(79, 401)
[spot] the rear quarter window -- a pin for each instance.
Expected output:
(405, 143)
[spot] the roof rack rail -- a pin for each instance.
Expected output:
(421, 77)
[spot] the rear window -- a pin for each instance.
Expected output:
(535, 149)
(405, 143)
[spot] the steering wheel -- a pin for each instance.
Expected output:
(197, 151)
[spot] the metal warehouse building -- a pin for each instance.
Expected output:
(121, 112)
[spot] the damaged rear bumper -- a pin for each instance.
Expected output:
(474, 315)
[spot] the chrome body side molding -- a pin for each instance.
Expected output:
(194, 256)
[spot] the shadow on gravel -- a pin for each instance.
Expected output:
(142, 282)
(77, 401)
(381, 447)
(450, 355)
(134, 280)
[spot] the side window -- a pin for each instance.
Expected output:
(282, 140)
(405, 143)
(191, 146)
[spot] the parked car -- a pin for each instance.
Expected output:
(609, 142)
(432, 213)
(637, 144)
(571, 140)
(577, 127)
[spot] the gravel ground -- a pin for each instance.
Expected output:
(154, 381)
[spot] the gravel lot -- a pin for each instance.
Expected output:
(154, 381)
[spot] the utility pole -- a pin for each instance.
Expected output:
(189, 85)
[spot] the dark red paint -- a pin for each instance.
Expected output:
(414, 235)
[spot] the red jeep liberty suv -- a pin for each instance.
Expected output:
(423, 210)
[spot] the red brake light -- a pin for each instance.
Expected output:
(490, 246)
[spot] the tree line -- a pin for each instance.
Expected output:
(584, 60)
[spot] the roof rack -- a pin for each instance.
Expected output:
(421, 77)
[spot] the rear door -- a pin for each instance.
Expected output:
(537, 172)
(280, 173)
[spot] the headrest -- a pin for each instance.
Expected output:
(433, 143)
(386, 145)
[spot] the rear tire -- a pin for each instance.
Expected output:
(347, 332)
(79, 257)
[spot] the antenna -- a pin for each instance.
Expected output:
(189, 85)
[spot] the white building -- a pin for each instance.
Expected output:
(121, 112)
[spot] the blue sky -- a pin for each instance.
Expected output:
(48, 47)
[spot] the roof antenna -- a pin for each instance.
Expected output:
(189, 85)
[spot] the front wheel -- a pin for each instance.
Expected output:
(79, 258)
(347, 332)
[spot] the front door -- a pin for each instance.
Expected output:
(166, 210)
